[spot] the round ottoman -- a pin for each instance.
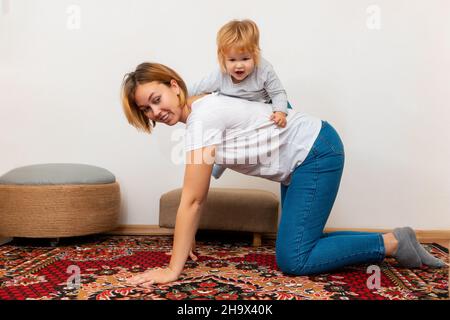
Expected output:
(58, 200)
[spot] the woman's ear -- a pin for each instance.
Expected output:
(174, 85)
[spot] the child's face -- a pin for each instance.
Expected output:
(239, 64)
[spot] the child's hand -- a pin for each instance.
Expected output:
(279, 118)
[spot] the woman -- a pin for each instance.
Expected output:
(306, 157)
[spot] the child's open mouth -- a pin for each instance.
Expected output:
(239, 73)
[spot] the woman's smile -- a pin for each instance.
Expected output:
(164, 118)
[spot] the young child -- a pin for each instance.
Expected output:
(243, 73)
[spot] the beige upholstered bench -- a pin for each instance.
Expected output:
(230, 209)
(58, 200)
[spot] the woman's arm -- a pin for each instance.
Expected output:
(197, 177)
(195, 190)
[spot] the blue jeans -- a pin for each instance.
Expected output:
(302, 248)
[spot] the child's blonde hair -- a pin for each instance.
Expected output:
(242, 35)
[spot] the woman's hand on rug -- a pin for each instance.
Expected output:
(154, 276)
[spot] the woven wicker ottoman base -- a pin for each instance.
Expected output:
(229, 209)
(57, 210)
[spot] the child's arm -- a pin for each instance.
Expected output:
(277, 94)
(208, 84)
(276, 91)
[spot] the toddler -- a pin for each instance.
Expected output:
(243, 73)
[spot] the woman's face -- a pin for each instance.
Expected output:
(159, 102)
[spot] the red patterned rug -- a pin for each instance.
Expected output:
(225, 270)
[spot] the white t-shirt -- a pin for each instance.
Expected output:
(246, 140)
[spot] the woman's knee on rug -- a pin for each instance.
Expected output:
(293, 268)
(291, 262)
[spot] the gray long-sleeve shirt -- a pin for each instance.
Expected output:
(261, 85)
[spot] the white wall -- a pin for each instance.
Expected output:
(385, 90)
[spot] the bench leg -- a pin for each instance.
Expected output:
(256, 239)
(54, 242)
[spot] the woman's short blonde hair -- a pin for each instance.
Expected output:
(242, 35)
(147, 72)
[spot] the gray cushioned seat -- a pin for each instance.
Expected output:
(57, 173)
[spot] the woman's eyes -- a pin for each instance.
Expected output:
(148, 109)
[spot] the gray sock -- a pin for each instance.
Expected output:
(426, 257)
(406, 255)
